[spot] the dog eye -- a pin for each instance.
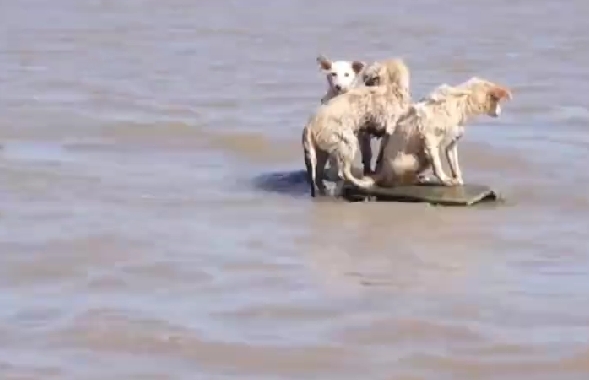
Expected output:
(334, 74)
(347, 75)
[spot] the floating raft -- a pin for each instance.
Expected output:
(432, 193)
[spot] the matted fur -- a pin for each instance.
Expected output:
(340, 75)
(331, 132)
(387, 71)
(383, 72)
(435, 123)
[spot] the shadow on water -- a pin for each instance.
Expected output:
(292, 182)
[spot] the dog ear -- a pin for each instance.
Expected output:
(357, 66)
(500, 93)
(324, 62)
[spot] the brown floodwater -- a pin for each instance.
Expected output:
(154, 223)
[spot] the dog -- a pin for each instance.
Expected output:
(340, 75)
(434, 123)
(383, 72)
(331, 132)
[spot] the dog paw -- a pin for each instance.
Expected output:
(425, 179)
(453, 182)
(338, 190)
(447, 181)
(458, 181)
(367, 170)
(321, 191)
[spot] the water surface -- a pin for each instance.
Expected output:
(140, 237)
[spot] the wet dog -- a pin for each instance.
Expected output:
(433, 124)
(331, 133)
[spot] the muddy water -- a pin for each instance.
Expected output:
(150, 229)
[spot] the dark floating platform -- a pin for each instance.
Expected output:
(295, 183)
(432, 193)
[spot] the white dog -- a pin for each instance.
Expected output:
(340, 75)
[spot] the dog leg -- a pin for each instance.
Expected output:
(452, 157)
(334, 171)
(321, 161)
(365, 151)
(383, 143)
(310, 156)
(433, 152)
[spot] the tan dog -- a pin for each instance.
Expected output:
(388, 71)
(392, 70)
(331, 133)
(434, 123)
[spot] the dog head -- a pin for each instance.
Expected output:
(340, 74)
(483, 96)
(387, 72)
(495, 95)
(488, 95)
(372, 74)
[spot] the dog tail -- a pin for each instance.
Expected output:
(364, 182)
(310, 155)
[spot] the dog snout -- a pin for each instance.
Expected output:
(497, 111)
(338, 87)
